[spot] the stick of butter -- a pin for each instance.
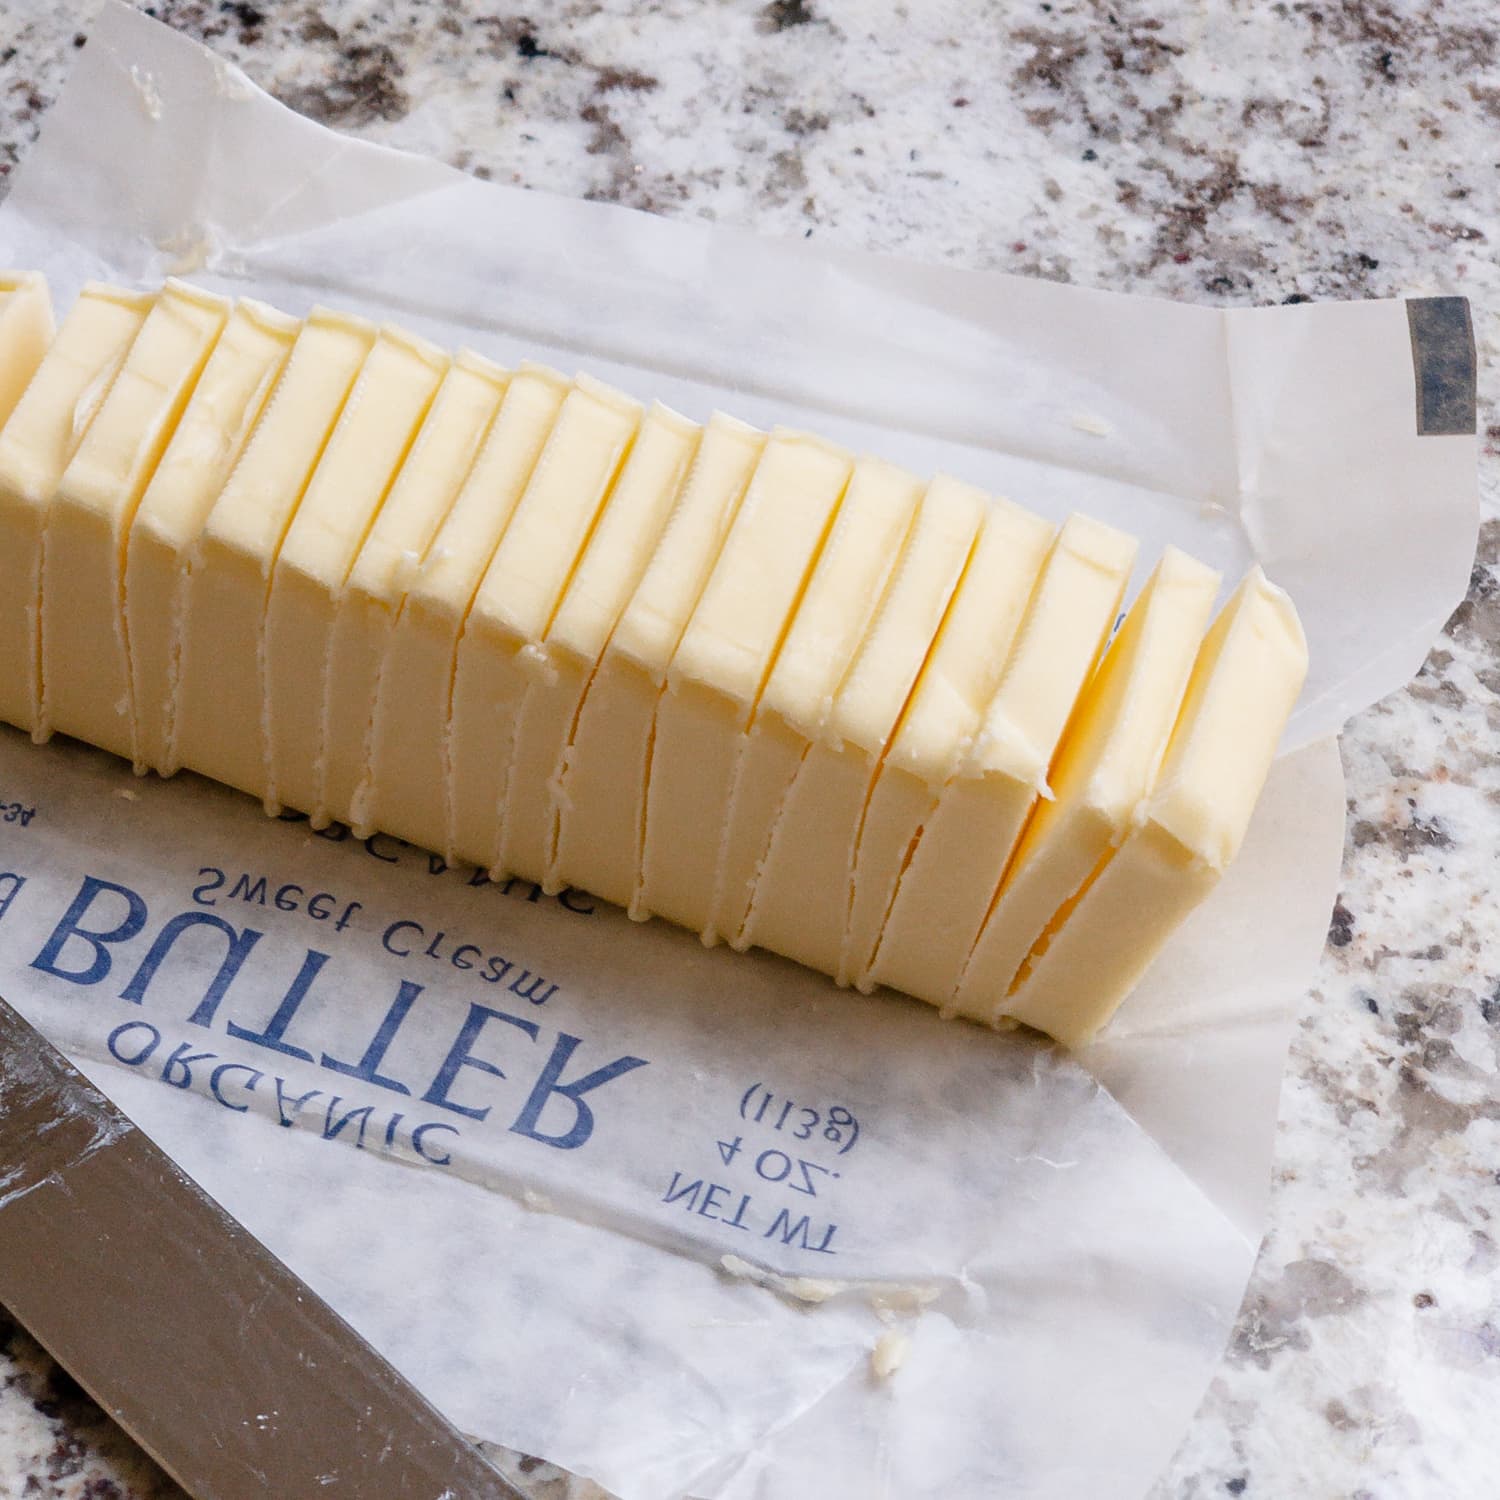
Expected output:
(218, 720)
(601, 795)
(773, 693)
(608, 571)
(365, 612)
(1245, 681)
(366, 449)
(800, 903)
(85, 663)
(404, 788)
(209, 437)
(36, 445)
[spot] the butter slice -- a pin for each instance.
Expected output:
(210, 435)
(721, 666)
(500, 649)
(218, 723)
(606, 576)
(965, 846)
(1107, 765)
(419, 501)
(800, 903)
(25, 331)
(601, 799)
(375, 429)
(85, 657)
(404, 790)
(946, 709)
(1243, 687)
(36, 445)
(830, 624)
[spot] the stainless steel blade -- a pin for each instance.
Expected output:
(197, 1340)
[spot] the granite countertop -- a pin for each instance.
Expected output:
(1243, 152)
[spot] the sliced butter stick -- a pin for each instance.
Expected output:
(419, 501)
(721, 666)
(210, 435)
(800, 902)
(965, 845)
(85, 660)
(500, 647)
(25, 331)
(606, 576)
(1244, 685)
(218, 721)
(601, 798)
(946, 709)
(829, 626)
(404, 789)
(36, 445)
(1107, 764)
(376, 427)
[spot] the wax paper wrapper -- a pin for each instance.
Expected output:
(660, 1214)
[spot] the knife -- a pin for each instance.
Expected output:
(182, 1326)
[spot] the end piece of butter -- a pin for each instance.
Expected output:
(37, 443)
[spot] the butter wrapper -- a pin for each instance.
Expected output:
(686, 1222)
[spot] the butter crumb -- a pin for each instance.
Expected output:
(190, 250)
(230, 82)
(889, 1354)
(146, 90)
(1095, 426)
(800, 1288)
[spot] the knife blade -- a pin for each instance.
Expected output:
(148, 1293)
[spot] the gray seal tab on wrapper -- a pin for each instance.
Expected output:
(1442, 355)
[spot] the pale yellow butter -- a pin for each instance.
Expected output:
(965, 845)
(1107, 764)
(500, 648)
(611, 566)
(86, 680)
(380, 419)
(830, 623)
(721, 665)
(224, 407)
(429, 482)
(601, 796)
(944, 713)
(404, 790)
(218, 723)
(800, 901)
(25, 331)
(1243, 687)
(36, 445)
(765, 690)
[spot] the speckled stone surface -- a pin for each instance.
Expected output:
(1234, 152)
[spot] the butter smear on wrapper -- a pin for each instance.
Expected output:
(779, 693)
